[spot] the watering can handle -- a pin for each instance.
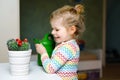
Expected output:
(48, 37)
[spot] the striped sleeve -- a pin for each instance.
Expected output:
(62, 54)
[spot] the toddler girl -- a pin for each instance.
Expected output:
(67, 26)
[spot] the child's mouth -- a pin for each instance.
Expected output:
(56, 38)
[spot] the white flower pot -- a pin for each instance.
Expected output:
(19, 62)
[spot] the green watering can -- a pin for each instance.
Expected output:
(49, 43)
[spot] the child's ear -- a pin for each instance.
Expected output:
(72, 29)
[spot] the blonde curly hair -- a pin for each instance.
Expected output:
(72, 16)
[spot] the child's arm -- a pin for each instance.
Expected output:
(62, 55)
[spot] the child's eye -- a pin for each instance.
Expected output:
(57, 29)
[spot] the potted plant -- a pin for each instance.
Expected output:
(19, 52)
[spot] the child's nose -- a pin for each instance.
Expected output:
(53, 32)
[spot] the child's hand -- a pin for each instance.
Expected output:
(40, 48)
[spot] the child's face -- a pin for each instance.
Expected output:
(60, 32)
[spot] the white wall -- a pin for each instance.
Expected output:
(9, 25)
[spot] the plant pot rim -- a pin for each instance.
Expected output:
(20, 51)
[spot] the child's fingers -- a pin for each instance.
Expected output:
(40, 48)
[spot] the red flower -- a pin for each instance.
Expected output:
(17, 39)
(25, 40)
(19, 42)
